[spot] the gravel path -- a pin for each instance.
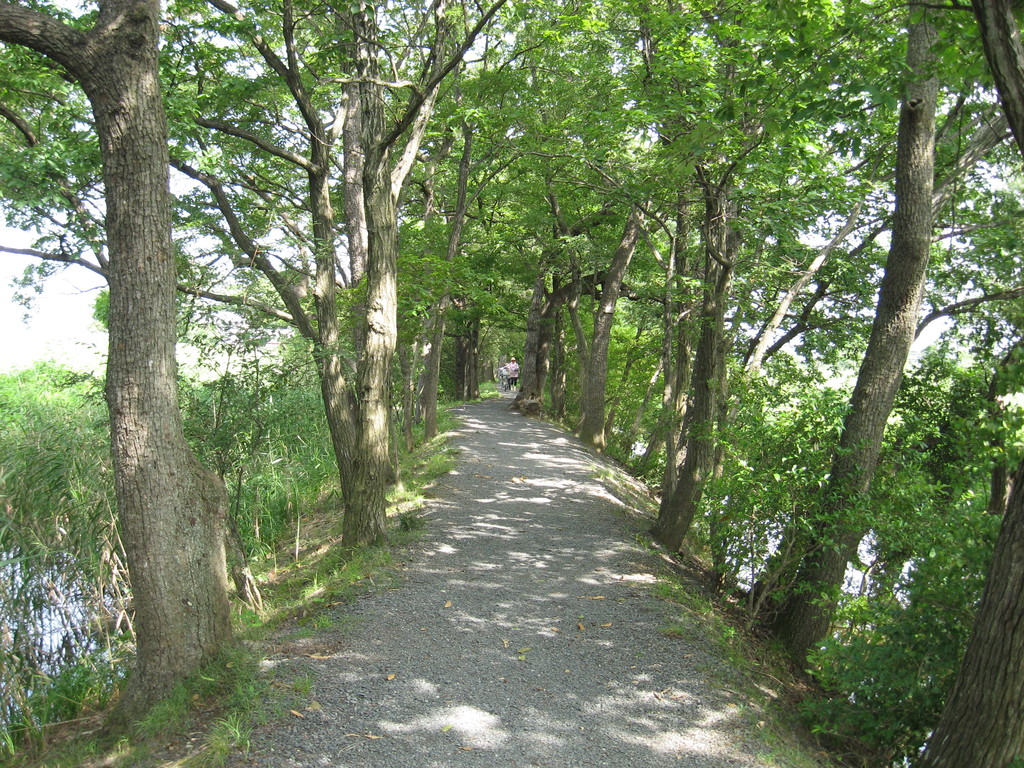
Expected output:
(523, 634)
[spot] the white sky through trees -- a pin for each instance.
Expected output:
(58, 326)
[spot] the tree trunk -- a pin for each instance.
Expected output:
(406, 356)
(676, 356)
(633, 353)
(1000, 37)
(355, 205)
(629, 439)
(1001, 482)
(679, 506)
(365, 507)
(557, 367)
(595, 381)
(171, 511)
(430, 376)
(982, 723)
(806, 613)
(529, 376)
(467, 361)
(463, 365)
(355, 200)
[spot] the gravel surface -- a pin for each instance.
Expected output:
(523, 634)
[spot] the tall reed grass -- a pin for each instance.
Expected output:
(64, 595)
(65, 609)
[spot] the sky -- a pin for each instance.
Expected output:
(58, 326)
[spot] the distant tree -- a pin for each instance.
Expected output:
(171, 510)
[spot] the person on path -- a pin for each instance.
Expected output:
(513, 373)
(503, 379)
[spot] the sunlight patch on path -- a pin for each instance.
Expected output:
(476, 727)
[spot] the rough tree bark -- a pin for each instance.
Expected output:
(806, 612)
(171, 510)
(467, 361)
(365, 497)
(982, 724)
(1000, 37)
(676, 355)
(372, 468)
(558, 372)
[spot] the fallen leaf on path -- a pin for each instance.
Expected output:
(607, 625)
(448, 604)
(317, 656)
(362, 736)
(298, 714)
(505, 642)
(466, 749)
(582, 628)
(392, 676)
(595, 597)
(314, 706)
(554, 629)
(446, 728)
(524, 650)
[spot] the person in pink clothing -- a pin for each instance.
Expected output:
(513, 373)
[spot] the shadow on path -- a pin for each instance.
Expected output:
(524, 634)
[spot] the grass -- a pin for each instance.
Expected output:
(211, 717)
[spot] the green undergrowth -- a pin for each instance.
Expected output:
(306, 584)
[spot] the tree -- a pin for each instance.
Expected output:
(383, 130)
(804, 617)
(435, 327)
(594, 357)
(170, 509)
(720, 241)
(983, 721)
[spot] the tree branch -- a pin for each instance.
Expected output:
(61, 258)
(238, 301)
(299, 318)
(968, 305)
(257, 141)
(419, 97)
(67, 46)
(20, 124)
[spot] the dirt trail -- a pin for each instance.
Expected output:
(523, 634)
